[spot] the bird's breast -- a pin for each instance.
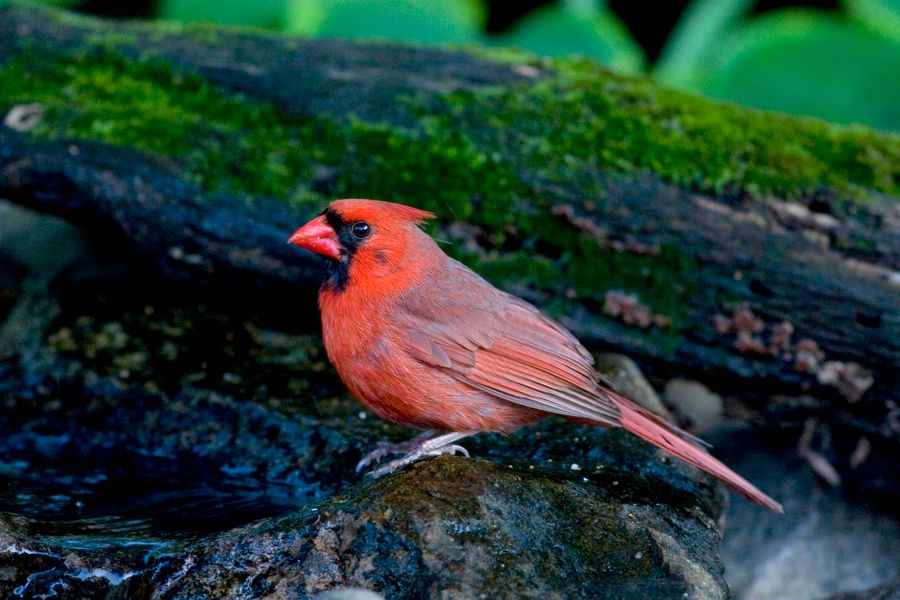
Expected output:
(381, 373)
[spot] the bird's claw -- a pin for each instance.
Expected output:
(374, 456)
(411, 457)
(385, 448)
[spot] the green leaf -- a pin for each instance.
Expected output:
(880, 15)
(266, 14)
(420, 21)
(567, 29)
(806, 62)
(702, 22)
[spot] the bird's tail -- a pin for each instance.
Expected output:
(670, 438)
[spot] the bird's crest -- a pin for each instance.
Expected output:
(356, 209)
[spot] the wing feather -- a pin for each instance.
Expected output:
(501, 345)
(565, 399)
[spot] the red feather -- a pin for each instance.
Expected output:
(651, 428)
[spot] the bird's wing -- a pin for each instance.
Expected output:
(501, 345)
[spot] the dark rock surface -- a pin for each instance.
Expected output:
(830, 540)
(888, 591)
(463, 528)
(624, 524)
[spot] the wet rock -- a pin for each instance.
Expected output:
(452, 527)
(41, 246)
(826, 543)
(695, 403)
(627, 378)
(888, 591)
(526, 525)
(350, 594)
(447, 527)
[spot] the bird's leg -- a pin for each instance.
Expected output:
(419, 447)
(384, 448)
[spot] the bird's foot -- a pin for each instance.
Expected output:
(401, 462)
(385, 448)
(419, 447)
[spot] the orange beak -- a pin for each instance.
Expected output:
(319, 237)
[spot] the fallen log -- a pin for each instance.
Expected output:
(754, 251)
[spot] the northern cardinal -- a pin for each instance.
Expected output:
(422, 340)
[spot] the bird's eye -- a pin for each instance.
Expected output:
(361, 230)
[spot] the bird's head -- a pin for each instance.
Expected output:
(368, 236)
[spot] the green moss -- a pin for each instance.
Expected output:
(111, 41)
(586, 115)
(221, 141)
(532, 271)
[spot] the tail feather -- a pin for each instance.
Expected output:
(670, 438)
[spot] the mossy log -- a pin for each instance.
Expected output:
(704, 239)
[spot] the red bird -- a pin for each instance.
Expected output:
(422, 340)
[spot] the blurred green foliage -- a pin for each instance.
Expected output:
(805, 62)
(844, 67)
(582, 28)
(840, 65)
(881, 15)
(417, 21)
